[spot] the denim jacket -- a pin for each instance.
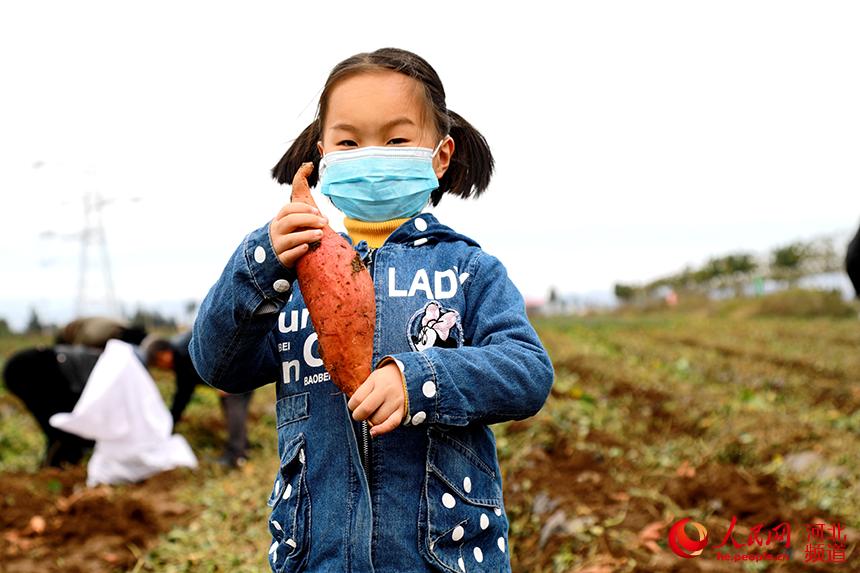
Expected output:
(426, 496)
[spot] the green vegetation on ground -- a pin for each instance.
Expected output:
(653, 417)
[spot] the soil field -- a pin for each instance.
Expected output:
(652, 418)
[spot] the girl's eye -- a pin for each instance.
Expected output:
(397, 141)
(347, 143)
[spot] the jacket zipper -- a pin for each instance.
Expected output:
(365, 450)
(364, 436)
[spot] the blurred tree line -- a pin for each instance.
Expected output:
(151, 320)
(737, 271)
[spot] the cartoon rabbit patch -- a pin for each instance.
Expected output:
(435, 325)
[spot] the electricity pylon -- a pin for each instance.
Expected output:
(93, 237)
(94, 258)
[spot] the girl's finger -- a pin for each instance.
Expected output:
(368, 406)
(289, 257)
(385, 410)
(361, 393)
(297, 207)
(287, 242)
(290, 223)
(389, 424)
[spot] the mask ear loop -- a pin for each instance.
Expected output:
(439, 145)
(322, 163)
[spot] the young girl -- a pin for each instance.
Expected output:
(403, 476)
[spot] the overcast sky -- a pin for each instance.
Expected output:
(631, 138)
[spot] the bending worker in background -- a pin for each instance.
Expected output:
(852, 262)
(172, 354)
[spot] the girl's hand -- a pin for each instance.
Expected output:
(380, 399)
(295, 225)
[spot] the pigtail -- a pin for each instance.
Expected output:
(471, 166)
(302, 150)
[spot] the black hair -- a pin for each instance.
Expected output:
(133, 334)
(471, 167)
(152, 345)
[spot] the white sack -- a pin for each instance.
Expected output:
(122, 410)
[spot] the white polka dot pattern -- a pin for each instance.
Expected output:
(281, 285)
(276, 525)
(501, 543)
(302, 456)
(485, 521)
(467, 484)
(429, 389)
(260, 255)
(419, 242)
(420, 224)
(448, 500)
(289, 491)
(400, 365)
(498, 511)
(291, 543)
(461, 565)
(273, 548)
(458, 533)
(418, 418)
(479, 555)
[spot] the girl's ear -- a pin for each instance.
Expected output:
(320, 148)
(443, 157)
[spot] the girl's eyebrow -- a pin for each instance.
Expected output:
(388, 125)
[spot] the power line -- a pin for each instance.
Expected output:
(94, 255)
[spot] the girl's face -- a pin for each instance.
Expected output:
(381, 108)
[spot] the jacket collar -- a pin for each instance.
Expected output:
(421, 229)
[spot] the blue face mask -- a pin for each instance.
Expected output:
(379, 183)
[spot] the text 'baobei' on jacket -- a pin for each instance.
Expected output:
(428, 495)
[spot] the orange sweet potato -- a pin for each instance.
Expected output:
(338, 291)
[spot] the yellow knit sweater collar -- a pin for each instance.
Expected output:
(374, 233)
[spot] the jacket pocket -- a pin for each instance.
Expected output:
(461, 523)
(291, 408)
(290, 520)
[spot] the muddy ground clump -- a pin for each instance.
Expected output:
(50, 521)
